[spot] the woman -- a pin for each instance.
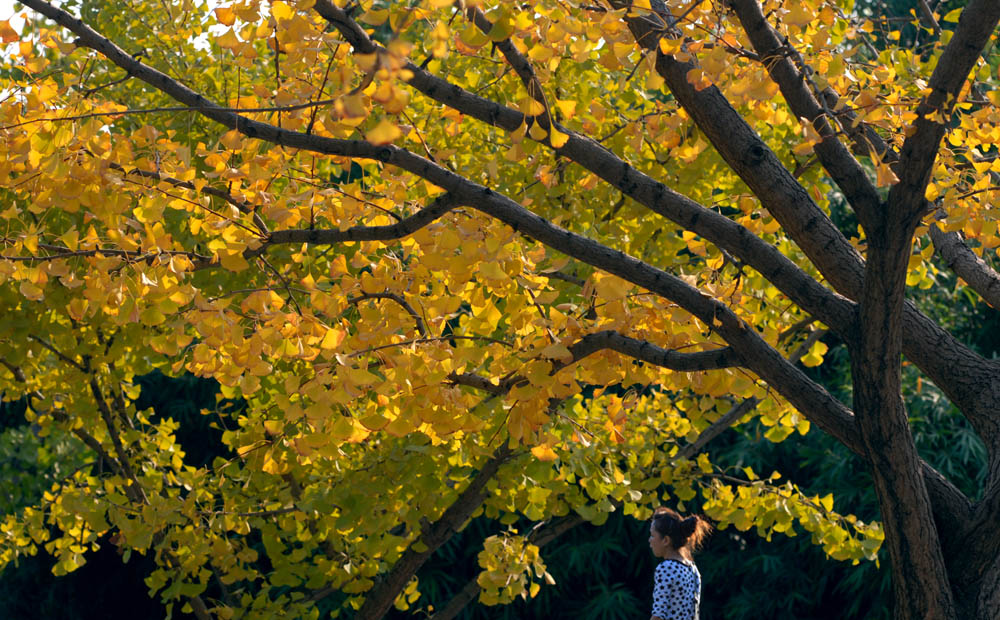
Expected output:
(677, 585)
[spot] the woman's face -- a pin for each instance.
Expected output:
(659, 544)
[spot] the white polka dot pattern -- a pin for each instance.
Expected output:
(676, 591)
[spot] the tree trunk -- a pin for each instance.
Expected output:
(920, 580)
(987, 595)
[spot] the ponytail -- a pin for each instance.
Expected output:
(684, 533)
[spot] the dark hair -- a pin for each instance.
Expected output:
(684, 533)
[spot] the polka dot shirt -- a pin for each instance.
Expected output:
(676, 591)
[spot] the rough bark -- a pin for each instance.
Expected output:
(984, 594)
(963, 261)
(919, 574)
(786, 68)
(920, 580)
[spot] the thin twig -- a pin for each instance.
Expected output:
(286, 285)
(72, 362)
(399, 299)
(428, 340)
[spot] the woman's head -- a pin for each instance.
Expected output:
(669, 530)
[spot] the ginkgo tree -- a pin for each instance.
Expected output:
(519, 260)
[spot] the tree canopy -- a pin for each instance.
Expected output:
(518, 261)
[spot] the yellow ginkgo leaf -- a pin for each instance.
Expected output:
(228, 40)
(815, 355)
(544, 452)
(31, 291)
(384, 133)
(8, 34)
(885, 176)
(567, 108)
(799, 14)
(225, 16)
(280, 10)
(952, 15)
(557, 138)
(502, 28)
(537, 133)
(530, 106)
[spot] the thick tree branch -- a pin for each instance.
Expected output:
(981, 534)
(837, 160)
(611, 340)
(715, 227)
(432, 86)
(920, 577)
(747, 155)
(647, 352)
(963, 261)
(478, 382)
(432, 536)
(407, 226)
(962, 374)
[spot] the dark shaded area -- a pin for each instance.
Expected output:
(12, 413)
(104, 589)
(183, 399)
(890, 15)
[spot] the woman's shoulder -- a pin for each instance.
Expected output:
(678, 567)
(672, 564)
